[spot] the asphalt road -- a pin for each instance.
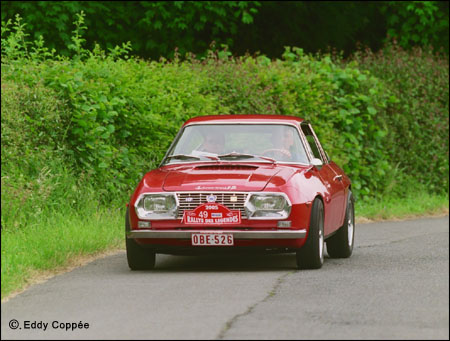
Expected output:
(395, 286)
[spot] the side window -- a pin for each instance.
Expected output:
(313, 145)
(312, 142)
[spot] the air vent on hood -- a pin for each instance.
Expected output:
(226, 167)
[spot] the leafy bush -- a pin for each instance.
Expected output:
(36, 173)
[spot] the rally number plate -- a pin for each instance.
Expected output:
(212, 239)
(212, 214)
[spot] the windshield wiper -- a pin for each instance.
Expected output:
(187, 157)
(183, 157)
(235, 156)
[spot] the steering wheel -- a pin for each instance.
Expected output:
(284, 152)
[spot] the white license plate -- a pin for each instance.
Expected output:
(212, 239)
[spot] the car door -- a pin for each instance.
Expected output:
(334, 190)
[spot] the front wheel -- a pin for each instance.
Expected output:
(310, 255)
(341, 244)
(138, 258)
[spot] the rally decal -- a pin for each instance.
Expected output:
(212, 214)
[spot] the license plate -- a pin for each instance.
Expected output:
(212, 239)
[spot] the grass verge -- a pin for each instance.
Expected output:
(392, 208)
(52, 245)
(68, 239)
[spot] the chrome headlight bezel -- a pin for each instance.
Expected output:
(276, 213)
(169, 212)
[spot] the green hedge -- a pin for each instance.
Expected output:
(98, 121)
(418, 134)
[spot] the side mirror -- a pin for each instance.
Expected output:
(317, 162)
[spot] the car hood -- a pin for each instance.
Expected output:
(220, 177)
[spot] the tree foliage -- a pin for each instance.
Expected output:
(420, 23)
(154, 28)
(158, 28)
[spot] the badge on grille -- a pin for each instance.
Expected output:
(211, 198)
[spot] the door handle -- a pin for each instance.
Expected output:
(338, 177)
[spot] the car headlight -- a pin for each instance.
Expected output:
(268, 206)
(156, 206)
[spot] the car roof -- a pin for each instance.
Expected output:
(244, 119)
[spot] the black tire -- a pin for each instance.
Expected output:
(139, 258)
(310, 255)
(341, 244)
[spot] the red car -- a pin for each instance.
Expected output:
(242, 182)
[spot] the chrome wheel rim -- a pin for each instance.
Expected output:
(350, 227)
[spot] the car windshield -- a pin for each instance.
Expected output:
(238, 142)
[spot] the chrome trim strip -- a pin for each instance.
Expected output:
(237, 234)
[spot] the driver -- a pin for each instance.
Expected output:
(213, 143)
(283, 141)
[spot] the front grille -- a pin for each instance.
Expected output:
(223, 198)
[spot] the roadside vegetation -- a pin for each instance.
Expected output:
(55, 241)
(79, 132)
(414, 203)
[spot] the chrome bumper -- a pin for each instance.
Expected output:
(237, 234)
